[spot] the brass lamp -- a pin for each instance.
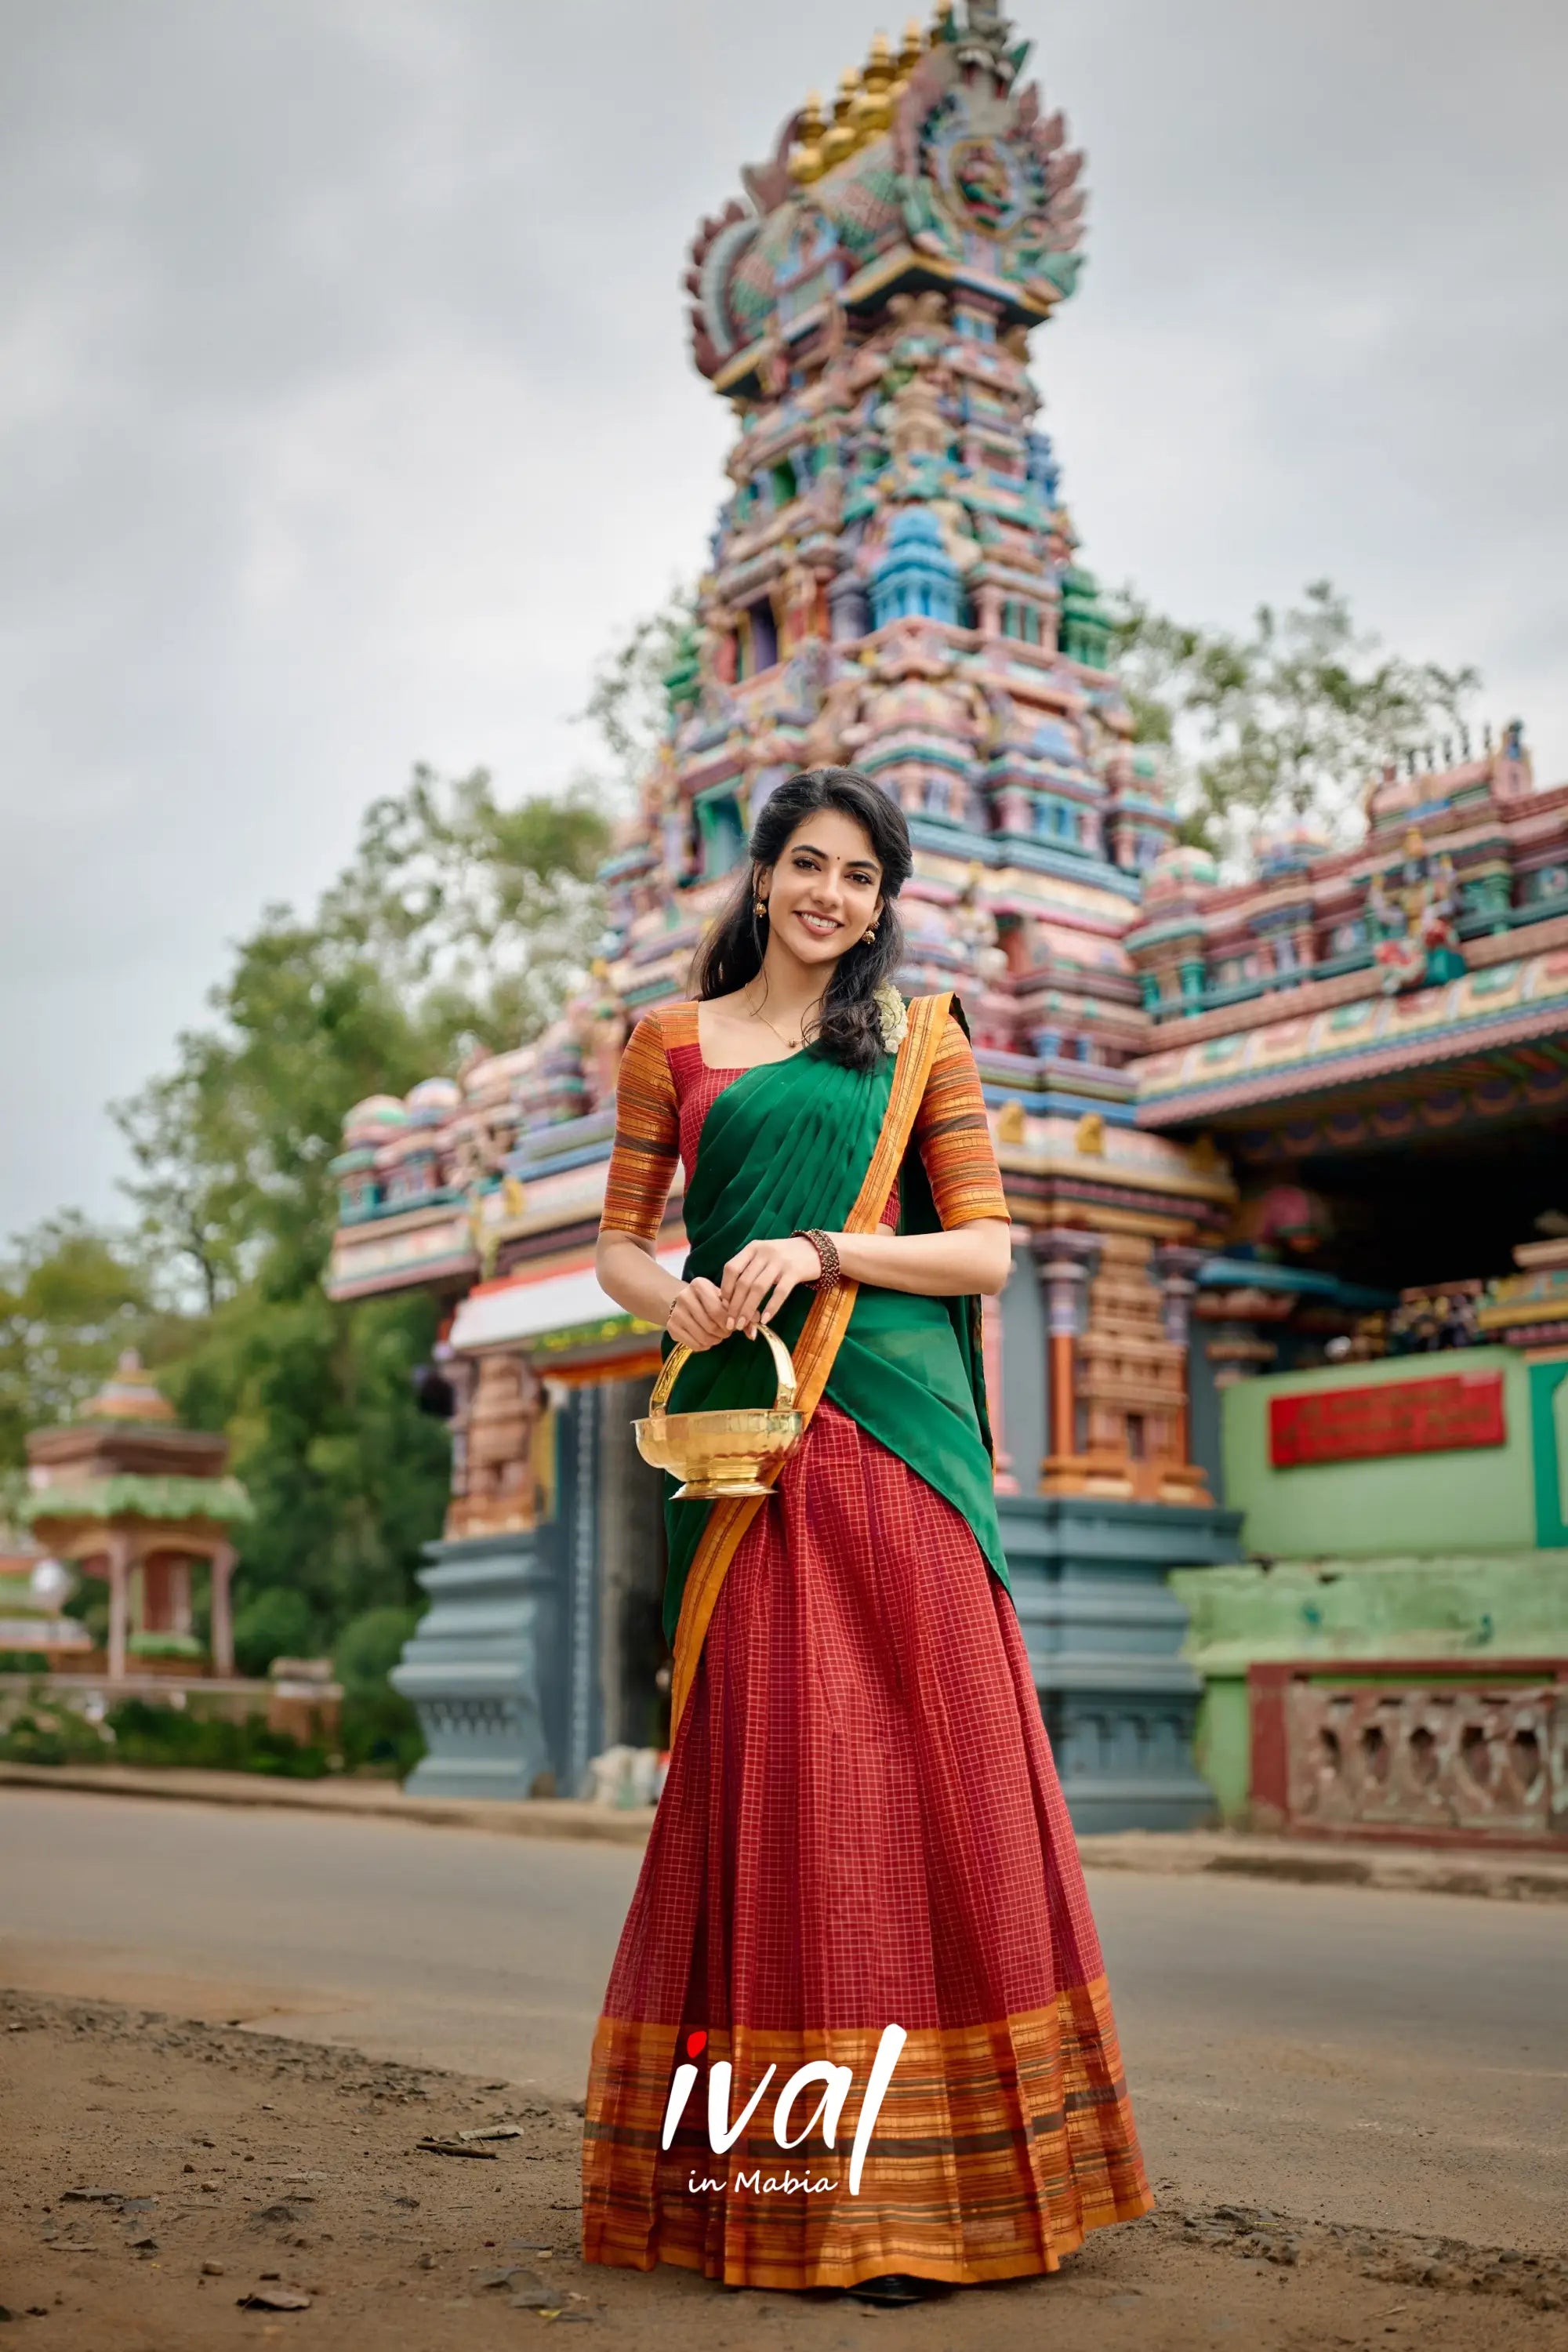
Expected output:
(719, 1454)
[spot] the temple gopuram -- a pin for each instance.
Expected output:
(1260, 1139)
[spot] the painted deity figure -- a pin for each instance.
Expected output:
(1417, 944)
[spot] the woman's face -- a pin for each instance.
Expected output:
(825, 892)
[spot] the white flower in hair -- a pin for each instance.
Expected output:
(894, 1016)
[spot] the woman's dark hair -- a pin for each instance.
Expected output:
(849, 1028)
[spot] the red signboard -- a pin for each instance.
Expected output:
(1433, 1416)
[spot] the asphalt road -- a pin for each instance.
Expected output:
(1332, 2053)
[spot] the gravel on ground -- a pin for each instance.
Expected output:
(170, 2186)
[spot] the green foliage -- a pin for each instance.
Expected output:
(368, 1647)
(89, 1604)
(347, 1478)
(380, 1728)
(380, 1734)
(1289, 720)
(48, 1732)
(145, 1734)
(72, 1299)
(459, 924)
(232, 1147)
(276, 1622)
(165, 1645)
(628, 704)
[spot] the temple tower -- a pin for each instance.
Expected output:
(894, 584)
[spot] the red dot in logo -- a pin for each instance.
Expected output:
(696, 2043)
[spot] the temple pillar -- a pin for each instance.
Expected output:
(220, 1638)
(494, 1481)
(1067, 1260)
(848, 608)
(988, 610)
(1175, 1270)
(1090, 1551)
(996, 1393)
(503, 1669)
(119, 1606)
(631, 1570)
(462, 1374)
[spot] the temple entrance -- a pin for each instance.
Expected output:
(634, 1657)
(1415, 1213)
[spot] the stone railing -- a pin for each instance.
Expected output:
(1451, 1750)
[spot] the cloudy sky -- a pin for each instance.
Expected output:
(345, 413)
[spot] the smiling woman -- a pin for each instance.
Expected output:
(861, 1844)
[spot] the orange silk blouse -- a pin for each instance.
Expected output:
(665, 1090)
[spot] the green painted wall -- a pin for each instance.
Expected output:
(1511, 1605)
(1478, 1500)
(1222, 1743)
(1549, 1433)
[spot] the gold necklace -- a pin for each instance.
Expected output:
(791, 1043)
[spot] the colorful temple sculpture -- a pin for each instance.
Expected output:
(1230, 1117)
(123, 1495)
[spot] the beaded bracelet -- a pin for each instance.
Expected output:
(827, 1250)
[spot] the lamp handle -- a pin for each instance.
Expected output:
(783, 1363)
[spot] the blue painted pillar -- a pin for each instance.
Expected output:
(474, 1667)
(1104, 1633)
(1103, 1629)
(503, 1670)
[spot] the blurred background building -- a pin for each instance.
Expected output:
(1243, 1124)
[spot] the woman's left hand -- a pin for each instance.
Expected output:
(759, 1278)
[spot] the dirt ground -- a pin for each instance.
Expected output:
(157, 2176)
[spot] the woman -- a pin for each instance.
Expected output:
(862, 1826)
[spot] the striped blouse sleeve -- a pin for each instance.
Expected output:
(954, 1137)
(648, 1137)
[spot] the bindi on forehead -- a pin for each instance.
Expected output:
(855, 858)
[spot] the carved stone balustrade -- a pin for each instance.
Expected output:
(1454, 1749)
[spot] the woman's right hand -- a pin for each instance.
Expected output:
(697, 1317)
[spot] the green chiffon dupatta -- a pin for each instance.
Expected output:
(788, 1146)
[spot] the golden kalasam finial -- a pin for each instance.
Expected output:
(839, 139)
(874, 107)
(806, 157)
(911, 48)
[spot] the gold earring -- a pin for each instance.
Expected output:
(869, 936)
(760, 908)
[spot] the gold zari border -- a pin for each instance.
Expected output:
(999, 2146)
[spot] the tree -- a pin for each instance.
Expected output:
(72, 1299)
(276, 1623)
(627, 704)
(348, 1479)
(1286, 720)
(458, 923)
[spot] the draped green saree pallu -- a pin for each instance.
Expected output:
(805, 1143)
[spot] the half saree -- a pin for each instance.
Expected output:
(861, 1824)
